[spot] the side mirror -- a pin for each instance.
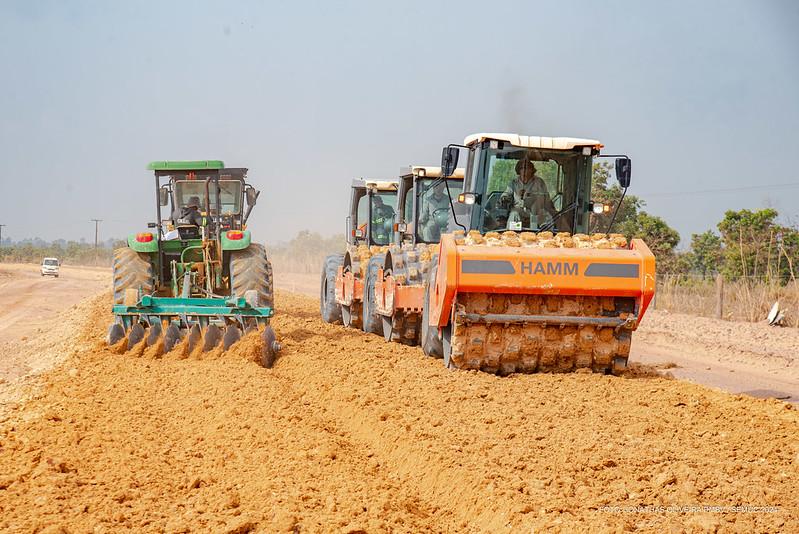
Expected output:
(623, 169)
(252, 196)
(163, 195)
(449, 160)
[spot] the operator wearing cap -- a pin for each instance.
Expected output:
(190, 213)
(527, 195)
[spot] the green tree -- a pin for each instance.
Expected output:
(610, 195)
(750, 243)
(659, 237)
(706, 254)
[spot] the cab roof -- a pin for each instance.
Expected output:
(532, 141)
(430, 172)
(200, 165)
(380, 185)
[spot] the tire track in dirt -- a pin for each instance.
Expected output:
(348, 433)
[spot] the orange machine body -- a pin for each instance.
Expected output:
(391, 297)
(349, 288)
(545, 271)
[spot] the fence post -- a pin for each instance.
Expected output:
(719, 296)
(655, 297)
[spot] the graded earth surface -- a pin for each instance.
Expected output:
(347, 433)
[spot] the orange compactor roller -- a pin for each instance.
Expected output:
(524, 285)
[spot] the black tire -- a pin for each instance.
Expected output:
(132, 270)
(328, 307)
(446, 344)
(251, 270)
(372, 322)
(431, 342)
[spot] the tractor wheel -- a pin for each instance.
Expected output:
(251, 270)
(132, 270)
(372, 322)
(328, 307)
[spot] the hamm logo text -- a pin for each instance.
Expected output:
(550, 268)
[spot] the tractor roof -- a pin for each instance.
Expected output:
(208, 164)
(380, 185)
(233, 173)
(531, 141)
(430, 172)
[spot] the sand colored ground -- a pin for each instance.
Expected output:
(350, 434)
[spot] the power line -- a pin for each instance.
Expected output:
(96, 233)
(720, 190)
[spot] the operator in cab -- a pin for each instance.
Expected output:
(527, 197)
(382, 221)
(190, 213)
(434, 212)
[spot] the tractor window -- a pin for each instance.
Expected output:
(407, 209)
(435, 212)
(230, 194)
(526, 188)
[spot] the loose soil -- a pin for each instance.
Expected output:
(349, 434)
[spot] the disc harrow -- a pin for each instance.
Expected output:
(205, 323)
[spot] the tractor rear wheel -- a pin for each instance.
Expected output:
(132, 270)
(251, 270)
(328, 307)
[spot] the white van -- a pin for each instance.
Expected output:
(50, 267)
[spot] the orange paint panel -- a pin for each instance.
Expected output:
(348, 288)
(545, 271)
(409, 298)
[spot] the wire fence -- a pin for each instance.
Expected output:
(747, 298)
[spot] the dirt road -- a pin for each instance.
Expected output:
(349, 434)
(28, 304)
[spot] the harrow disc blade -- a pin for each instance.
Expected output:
(154, 335)
(194, 337)
(232, 334)
(171, 337)
(136, 335)
(212, 336)
(271, 347)
(115, 333)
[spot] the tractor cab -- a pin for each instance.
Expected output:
(424, 204)
(208, 198)
(528, 183)
(202, 210)
(373, 207)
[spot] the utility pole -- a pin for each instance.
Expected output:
(1, 239)
(96, 233)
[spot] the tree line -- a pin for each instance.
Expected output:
(746, 244)
(69, 252)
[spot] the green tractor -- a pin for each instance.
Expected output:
(196, 275)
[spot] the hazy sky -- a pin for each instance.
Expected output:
(702, 96)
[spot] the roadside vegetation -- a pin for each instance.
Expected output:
(69, 252)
